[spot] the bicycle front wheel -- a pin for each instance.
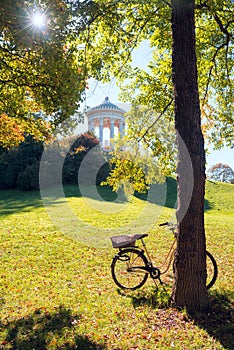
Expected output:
(129, 269)
(211, 269)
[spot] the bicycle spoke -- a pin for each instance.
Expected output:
(129, 269)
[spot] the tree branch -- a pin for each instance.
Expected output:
(211, 68)
(155, 122)
(167, 3)
(136, 39)
(221, 26)
(224, 29)
(201, 5)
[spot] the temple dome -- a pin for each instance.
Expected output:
(107, 105)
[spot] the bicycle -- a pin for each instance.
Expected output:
(130, 267)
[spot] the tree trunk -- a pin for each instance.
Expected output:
(189, 288)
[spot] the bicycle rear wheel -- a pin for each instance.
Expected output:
(129, 268)
(212, 270)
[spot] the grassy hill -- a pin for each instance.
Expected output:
(56, 287)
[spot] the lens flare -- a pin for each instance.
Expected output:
(38, 19)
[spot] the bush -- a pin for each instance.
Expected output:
(103, 173)
(8, 170)
(14, 161)
(79, 148)
(28, 179)
(20, 166)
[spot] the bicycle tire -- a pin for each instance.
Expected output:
(125, 274)
(212, 270)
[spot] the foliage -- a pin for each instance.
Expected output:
(221, 172)
(57, 293)
(134, 167)
(13, 131)
(78, 149)
(120, 28)
(13, 162)
(41, 68)
(28, 179)
(19, 167)
(146, 155)
(127, 175)
(10, 132)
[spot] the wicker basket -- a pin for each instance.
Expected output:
(123, 241)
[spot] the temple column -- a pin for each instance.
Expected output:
(101, 131)
(112, 128)
(91, 125)
(121, 128)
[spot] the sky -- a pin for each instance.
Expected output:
(98, 91)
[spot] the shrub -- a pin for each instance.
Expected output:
(28, 179)
(19, 167)
(79, 148)
(14, 161)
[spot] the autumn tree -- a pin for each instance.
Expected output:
(146, 155)
(221, 172)
(42, 68)
(196, 72)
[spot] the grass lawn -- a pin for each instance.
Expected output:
(56, 287)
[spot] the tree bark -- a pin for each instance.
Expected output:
(189, 288)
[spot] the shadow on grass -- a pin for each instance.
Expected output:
(40, 329)
(154, 298)
(166, 195)
(219, 320)
(15, 201)
(162, 194)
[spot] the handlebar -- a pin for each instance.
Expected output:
(164, 224)
(172, 226)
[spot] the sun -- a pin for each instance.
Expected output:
(38, 20)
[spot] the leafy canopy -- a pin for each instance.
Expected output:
(42, 68)
(46, 68)
(221, 172)
(121, 26)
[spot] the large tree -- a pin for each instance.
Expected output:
(197, 73)
(190, 260)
